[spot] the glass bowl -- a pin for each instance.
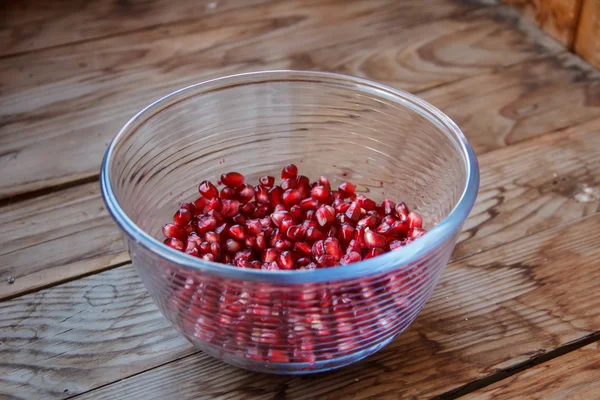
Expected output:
(388, 142)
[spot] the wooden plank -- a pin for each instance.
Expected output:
(30, 25)
(56, 237)
(490, 312)
(575, 375)
(526, 188)
(557, 17)
(79, 96)
(587, 43)
(522, 101)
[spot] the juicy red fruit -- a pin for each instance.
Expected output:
(294, 225)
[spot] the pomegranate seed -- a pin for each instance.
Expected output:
(275, 196)
(350, 258)
(320, 193)
(171, 231)
(287, 184)
(388, 206)
(369, 221)
(245, 193)
(347, 189)
(204, 247)
(222, 229)
(285, 260)
(415, 220)
(183, 216)
(261, 242)
(324, 181)
(311, 215)
(214, 204)
(205, 224)
(290, 171)
(309, 204)
(174, 243)
(266, 181)
(208, 190)
(278, 216)
(415, 233)
(208, 257)
(326, 261)
(303, 185)
(366, 203)
(232, 179)
(269, 255)
(271, 266)
(313, 234)
(318, 248)
(230, 208)
(194, 252)
(353, 211)
(295, 232)
(396, 244)
(227, 193)
(291, 197)
(232, 246)
(237, 232)
(297, 213)
(373, 239)
(250, 242)
(332, 247)
(255, 264)
(401, 210)
(253, 226)
(248, 209)
(262, 194)
(302, 262)
(239, 219)
(374, 252)
(282, 245)
(199, 205)
(302, 247)
(346, 233)
(388, 219)
(212, 237)
(325, 215)
(400, 227)
(384, 229)
(215, 250)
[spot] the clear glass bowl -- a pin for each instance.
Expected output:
(388, 142)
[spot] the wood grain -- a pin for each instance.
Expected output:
(587, 43)
(526, 188)
(56, 237)
(573, 376)
(29, 25)
(490, 312)
(67, 103)
(522, 101)
(559, 18)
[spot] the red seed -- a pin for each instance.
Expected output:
(313, 234)
(332, 247)
(324, 181)
(214, 204)
(353, 211)
(261, 194)
(415, 233)
(325, 215)
(297, 213)
(237, 232)
(326, 261)
(261, 242)
(400, 227)
(183, 216)
(171, 231)
(354, 245)
(396, 244)
(282, 245)
(245, 193)
(346, 233)
(208, 190)
(415, 220)
(266, 181)
(302, 247)
(321, 193)
(269, 255)
(374, 252)
(291, 197)
(366, 203)
(232, 179)
(347, 189)
(250, 242)
(204, 247)
(368, 221)
(318, 248)
(174, 243)
(248, 209)
(232, 246)
(285, 260)
(350, 258)
(222, 229)
(208, 257)
(295, 232)
(384, 229)
(290, 171)
(278, 216)
(388, 206)
(303, 185)
(275, 196)
(227, 193)
(212, 237)
(309, 204)
(253, 226)
(288, 184)
(239, 219)
(302, 262)
(271, 266)
(373, 239)
(401, 210)
(215, 250)
(206, 224)
(199, 205)
(230, 208)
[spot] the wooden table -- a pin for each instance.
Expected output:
(517, 312)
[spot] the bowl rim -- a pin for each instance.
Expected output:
(380, 264)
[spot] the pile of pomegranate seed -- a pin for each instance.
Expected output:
(294, 225)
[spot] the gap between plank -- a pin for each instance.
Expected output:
(515, 369)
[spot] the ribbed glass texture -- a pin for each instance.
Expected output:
(389, 143)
